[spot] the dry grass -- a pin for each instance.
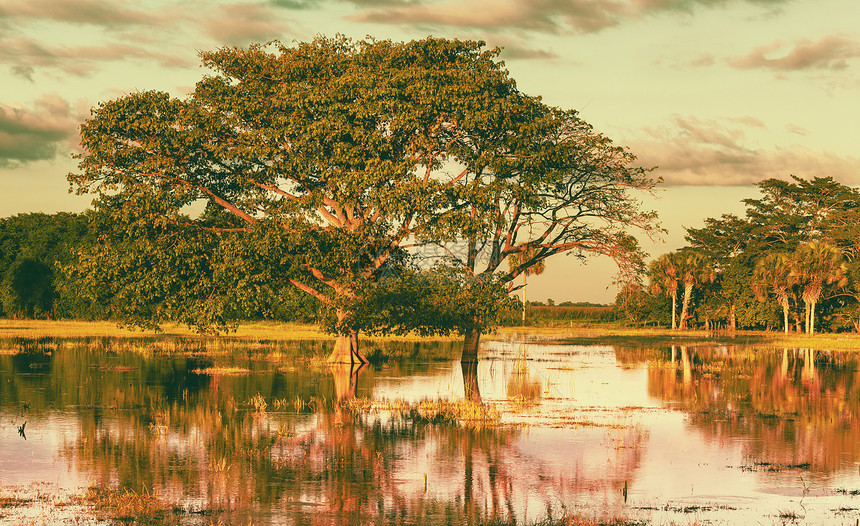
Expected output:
(221, 371)
(270, 331)
(291, 332)
(129, 506)
(466, 413)
(589, 335)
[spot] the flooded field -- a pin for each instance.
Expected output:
(683, 435)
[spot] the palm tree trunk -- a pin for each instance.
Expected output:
(785, 314)
(812, 318)
(688, 291)
(673, 309)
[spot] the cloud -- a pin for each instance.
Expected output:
(710, 152)
(689, 6)
(548, 16)
(513, 47)
(830, 53)
(239, 24)
(24, 55)
(513, 51)
(38, 133)
(108, 13)
(795, 129)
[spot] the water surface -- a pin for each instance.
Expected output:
(719, 435)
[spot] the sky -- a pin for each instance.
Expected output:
(716, 94)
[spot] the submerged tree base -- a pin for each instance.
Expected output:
(346, 351)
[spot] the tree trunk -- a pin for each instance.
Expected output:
(785, 314)
(346, 350)
(525, 283)
(688, 291)
(346, 346)
(470, 345)
(812, 318)
(734, 318)
(674, 308)
(471, 389)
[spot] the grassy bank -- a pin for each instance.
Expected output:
(585, 334)
(261, 331)
(612, 335)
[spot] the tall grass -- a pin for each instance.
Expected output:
(558, 315)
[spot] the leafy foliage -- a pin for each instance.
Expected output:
(33, 250)
(794, 252)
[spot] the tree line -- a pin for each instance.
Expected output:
(41, 280)
(789, 263)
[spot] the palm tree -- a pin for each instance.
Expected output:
(536, 269)
(774, 272)
(814, 265)
(663, 274)
(695, 269)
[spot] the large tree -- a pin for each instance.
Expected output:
(544, 185)
(343, 154)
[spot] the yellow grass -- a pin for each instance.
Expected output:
(270, 331)
(607, 334)
(221, 371)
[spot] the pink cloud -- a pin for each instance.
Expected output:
(716, 152)
(831, 52)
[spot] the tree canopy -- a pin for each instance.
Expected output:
(323, 164)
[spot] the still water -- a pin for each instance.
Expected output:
(699, 434)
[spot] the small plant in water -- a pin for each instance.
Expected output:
(469, 414)
(259, 404)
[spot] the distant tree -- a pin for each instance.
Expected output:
(774, 273)
(695, 269)
(665, 276)
(632, 303)
(815, 265)
(34, 248)
(517, 259)
(31, 288)
(788, 214)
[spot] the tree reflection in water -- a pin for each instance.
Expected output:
(794, 407)
(275, 443)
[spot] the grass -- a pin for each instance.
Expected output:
(466, 413)
(261, 333)
(609, 335)
(569, 521)
(128, 506)
(254, 331)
